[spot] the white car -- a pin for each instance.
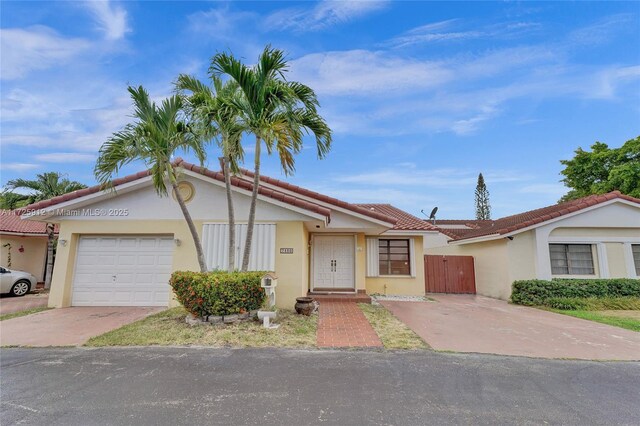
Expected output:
(17, 283)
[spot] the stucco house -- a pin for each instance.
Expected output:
(592, 237)
(27, 242)
(119, 248)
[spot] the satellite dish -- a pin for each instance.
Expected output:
(432, 216)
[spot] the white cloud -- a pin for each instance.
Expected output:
(366, 73)
(65, 157)
(35, 48)
(18, 167)
(220, 23)
(442, 31)
(110, 19)
(324, 14)
(438, 178)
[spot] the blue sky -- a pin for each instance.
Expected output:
(421, 96)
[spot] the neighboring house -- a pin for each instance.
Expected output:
(28, 242)
(592, 237)
(120, 248)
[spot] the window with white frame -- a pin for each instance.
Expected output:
(635, 249)
(571, 259)
(394, 257)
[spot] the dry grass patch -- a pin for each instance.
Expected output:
(23, 313)
(392, 332)
(169, 328)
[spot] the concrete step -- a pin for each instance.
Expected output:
(340, 297)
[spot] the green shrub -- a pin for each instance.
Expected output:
(219, 292)
(538, 292)
(566, 303)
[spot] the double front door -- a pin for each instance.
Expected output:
(333, 262)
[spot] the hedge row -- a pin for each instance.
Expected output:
(219, 292)
(594, 303)
(538, 292)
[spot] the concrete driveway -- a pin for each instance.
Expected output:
(10, 304)
(68, 326)
(465, 323)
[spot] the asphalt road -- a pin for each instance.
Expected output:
(194, 386)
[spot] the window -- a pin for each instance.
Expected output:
(571, 259)
(393, 257)
(635, 249)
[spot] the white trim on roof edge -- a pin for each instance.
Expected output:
(546, 222)
(319, 202)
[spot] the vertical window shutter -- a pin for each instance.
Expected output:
(215, 241)
(412, 256)
(372, 257)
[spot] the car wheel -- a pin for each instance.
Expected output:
(20, 288)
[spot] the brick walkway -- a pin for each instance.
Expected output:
(343, 325)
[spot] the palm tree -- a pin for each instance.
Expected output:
(210, 107)
(45, 186)
(276, 111)
(159, 131)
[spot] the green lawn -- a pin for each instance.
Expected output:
(630, 321)
(169, 328)
(392, 332)
(23, 313)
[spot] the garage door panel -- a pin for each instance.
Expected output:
(141, 265)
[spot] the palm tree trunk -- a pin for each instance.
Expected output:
(252, 208)
(231, 212)
(190, 224)
(49, 270)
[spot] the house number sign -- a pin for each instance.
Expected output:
(286, 250)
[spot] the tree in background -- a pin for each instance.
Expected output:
(483, 208)
(276, 111)
(602, 170)
(44, 186)
(155, 136)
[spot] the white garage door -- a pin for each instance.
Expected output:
(123, 271)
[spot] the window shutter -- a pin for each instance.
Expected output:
(215, 241)
(372, 257)
(412, 256)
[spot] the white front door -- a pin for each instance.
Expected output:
(333, 262)
(123, 271)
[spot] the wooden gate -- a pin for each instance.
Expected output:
(449, 274)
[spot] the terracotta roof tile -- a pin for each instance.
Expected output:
(523, 220)
(405, 221)
(11, 222)
(356, 208)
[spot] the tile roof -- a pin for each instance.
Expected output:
(356, 208)
(244, 183)
(405, 221)
(519, 221)
(179, 162)
(10, 222)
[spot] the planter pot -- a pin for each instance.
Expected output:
(305, 305)
(215, 319)
(244, 316)
(228, 319)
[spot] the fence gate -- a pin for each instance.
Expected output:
(449, 274)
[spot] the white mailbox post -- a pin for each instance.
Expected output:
(269, 282)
